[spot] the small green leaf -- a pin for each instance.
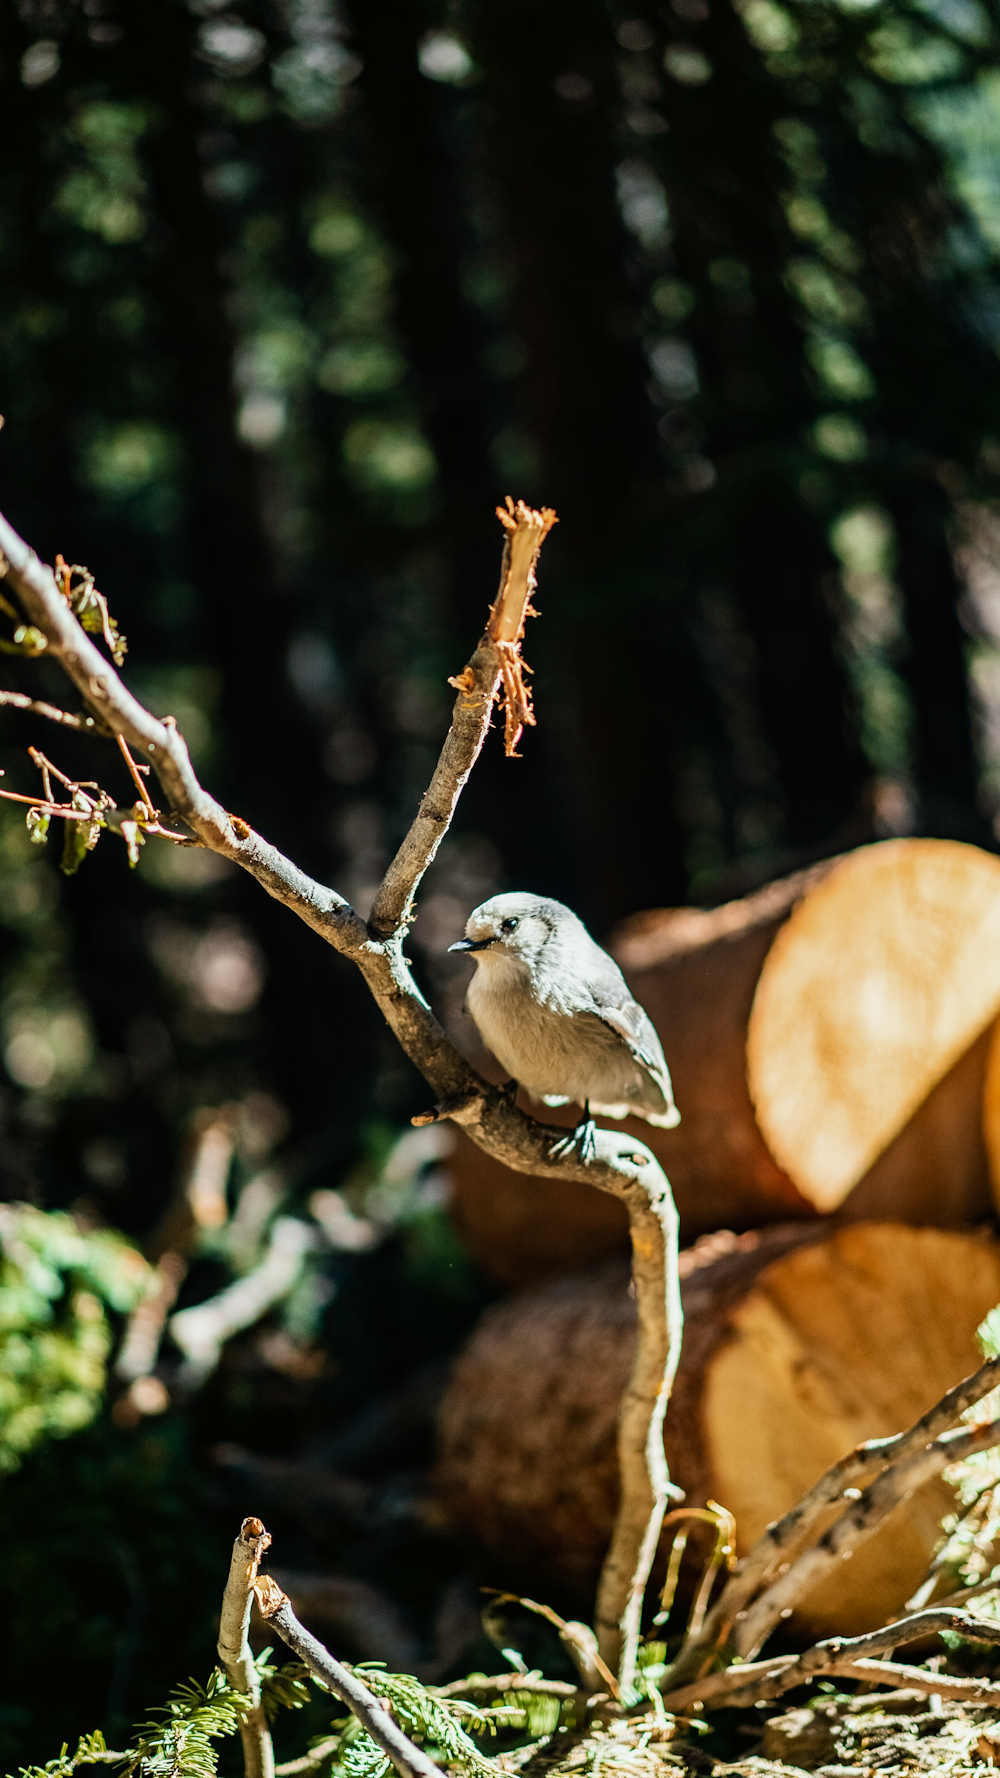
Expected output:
(74, 848)
(38, 826)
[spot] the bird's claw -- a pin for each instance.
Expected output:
(581, 1142)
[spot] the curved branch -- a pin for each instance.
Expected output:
(620, 1165)
(658, 1352)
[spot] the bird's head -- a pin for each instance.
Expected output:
(514, 928)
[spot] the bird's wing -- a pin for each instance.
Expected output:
(634, 1025)
(631, 1022)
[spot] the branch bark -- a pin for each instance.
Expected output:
(234, 1645)
(859, 1466)
(371, 1712)
(630, 1542)
(619, 1165)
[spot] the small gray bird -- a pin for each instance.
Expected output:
(557, 1014)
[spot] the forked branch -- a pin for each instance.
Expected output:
(619, 1164)
(234, 1645)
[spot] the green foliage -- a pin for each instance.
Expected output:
(442, 1725)
(94, 1525)
(90, 1750)
(178, 1741)
(55, 1286)
(281, 1688)
(180, 1745)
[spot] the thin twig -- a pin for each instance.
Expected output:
(234, 1646)
(677, 1549)
(979, 1591)
(18, 701)
(722, 1551)
(578, 1639)
(477, 689)
(859, 1466)
(506, 1682)
(309, 1762)
(371, 1712)
(135, 775)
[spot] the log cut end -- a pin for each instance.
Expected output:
(882, 979)
(801, 1341)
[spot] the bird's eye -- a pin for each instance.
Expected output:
(509, 925)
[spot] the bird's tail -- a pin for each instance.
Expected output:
(664, 1120)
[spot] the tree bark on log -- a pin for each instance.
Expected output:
(801, 1341)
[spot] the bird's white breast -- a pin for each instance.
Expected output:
(548, 1051)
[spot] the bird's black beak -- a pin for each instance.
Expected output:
(472, 944)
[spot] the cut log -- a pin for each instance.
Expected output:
(874, 983)
(800, 1341)
(881, 981)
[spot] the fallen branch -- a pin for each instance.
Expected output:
(846, 1658)
(202, 1331)
(198, 1202)
(507, 1682)
(371, 1712)
(858, 1523)
(311, 1761)
(619, 1164)
(234, 1646)
(858, 1466)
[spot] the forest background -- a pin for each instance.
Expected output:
(291, 295)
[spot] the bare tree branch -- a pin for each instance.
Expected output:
(619, 1165)
(859, 1466)
(371, 1712)
(234, 1645)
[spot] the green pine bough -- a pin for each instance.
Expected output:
(181, 1739)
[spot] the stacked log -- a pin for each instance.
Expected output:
(801, 1340)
